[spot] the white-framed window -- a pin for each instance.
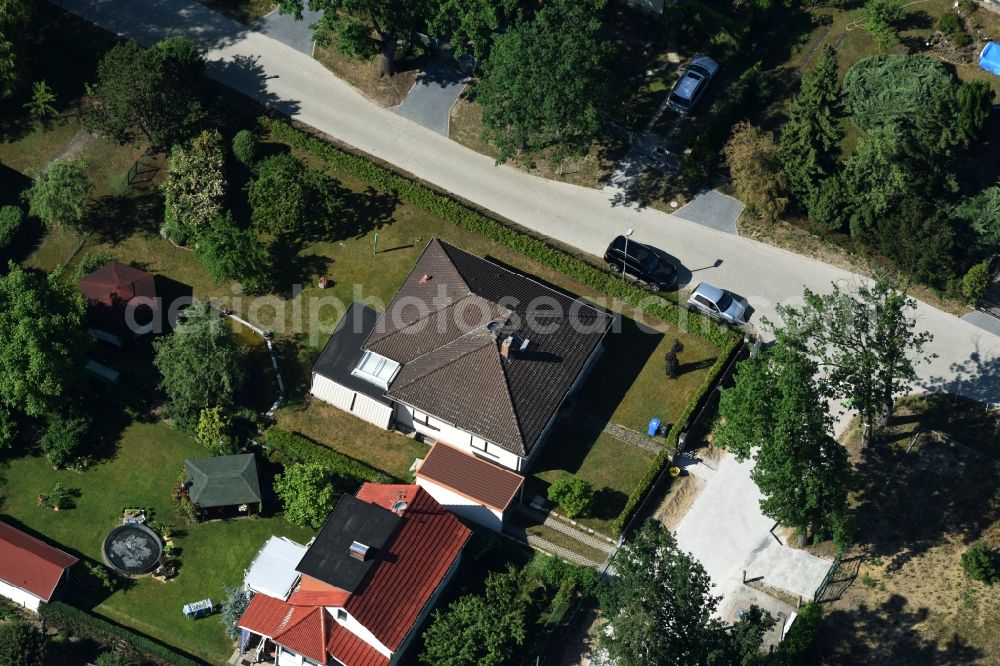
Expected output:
(376, 369)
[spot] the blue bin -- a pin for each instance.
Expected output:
(654, 426)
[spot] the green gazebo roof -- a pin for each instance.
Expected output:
(223, 480)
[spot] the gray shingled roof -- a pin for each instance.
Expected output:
(223, 480)
(436, 327)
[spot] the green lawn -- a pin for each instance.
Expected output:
(383, 450)
(148, 462)
(612, 467)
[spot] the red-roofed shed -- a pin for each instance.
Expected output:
(111, 288)
(30, 569)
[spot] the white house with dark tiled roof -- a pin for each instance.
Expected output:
(469, 353)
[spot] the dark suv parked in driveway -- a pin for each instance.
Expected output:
(642, 263)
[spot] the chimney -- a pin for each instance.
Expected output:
(505, 347)
(359, 551)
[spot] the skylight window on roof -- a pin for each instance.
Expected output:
(376, 369)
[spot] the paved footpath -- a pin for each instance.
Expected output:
(968, 358)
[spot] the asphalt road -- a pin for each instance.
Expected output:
(968, 359)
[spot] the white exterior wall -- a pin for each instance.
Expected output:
(359, 630)
(436, 429)
(19, 596)
(351, 401)
(462, 506)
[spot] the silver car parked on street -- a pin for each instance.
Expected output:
(718, 304)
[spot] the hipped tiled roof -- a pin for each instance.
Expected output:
(437, 328)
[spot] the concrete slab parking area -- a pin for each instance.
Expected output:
(725, 530)
(433, 94)
(712, 209)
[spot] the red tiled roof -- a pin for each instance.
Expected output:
(303, 629)
(309, 631)
(115, 282)
(471, 477)
(312, 592)
(347, 648)
(413, 565)
(30, 564)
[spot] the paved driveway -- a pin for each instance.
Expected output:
(984, 320)
(713, 210)
(725, 530)
(288, 31)
(433, 94)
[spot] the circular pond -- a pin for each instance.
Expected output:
(132, 549)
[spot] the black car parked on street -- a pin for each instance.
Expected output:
(642, 263)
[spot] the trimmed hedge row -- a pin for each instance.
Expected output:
(462, 216)
(295, 448)
(101, 631)
(664, 456)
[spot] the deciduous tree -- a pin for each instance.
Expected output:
(471, 23)
(866, 343)
(307, 492)
(201, 365)
(546, 83)
(660, 610)
(757, 175)
(362, 28)
(288, 199)
(482, 629)
(15, 23)
(42, 344)
(10, 221)
(65, 438)
(59, 194)
(196, 184)
(150, 94)
(230, 253)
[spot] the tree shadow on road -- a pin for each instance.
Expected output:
(246, 74)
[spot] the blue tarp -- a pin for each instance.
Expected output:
(989, 59)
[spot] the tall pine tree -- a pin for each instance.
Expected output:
(810, 140)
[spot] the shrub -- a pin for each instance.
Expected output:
(245, 147)
(980, 563)
(976, 282)
(795, 649)
(230, 253)
(287, 198)
(92, 261)
(573, 495)
(22, 643)
(64, 437)
(949, 23)
(308, 493)
(101, 631)
(289, 447)
(961, 38)
(968, 6)
(111, 659)
(10, 221)
(215, 431)
(100, 575)
(237, 600)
